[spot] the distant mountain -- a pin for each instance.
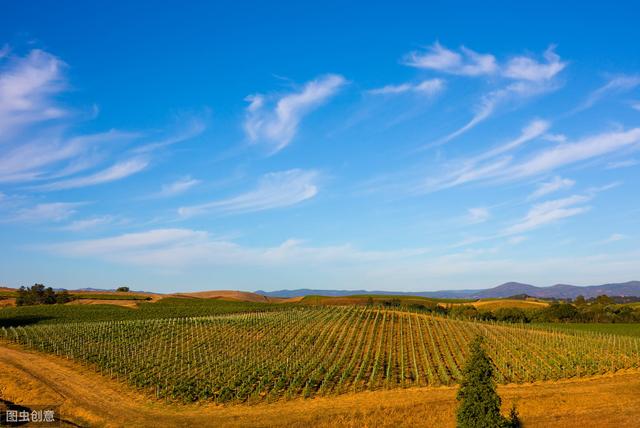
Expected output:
(558, 291)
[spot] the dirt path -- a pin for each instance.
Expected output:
(88, 399)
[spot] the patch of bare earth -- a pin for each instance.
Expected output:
(88, 398)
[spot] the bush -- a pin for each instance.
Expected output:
(123, 289)
(511, 315)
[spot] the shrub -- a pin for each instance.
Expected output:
(479, 400)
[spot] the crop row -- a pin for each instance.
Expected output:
(322, 351)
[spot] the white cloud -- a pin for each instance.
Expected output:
(623, 163)
(46, 212)
(636, 106)
(556, 184)
(541, 162)
(514, 240)
(86, 224)
(570, 153)
(491, 101)
(274, 190)
(190, 126)
(466, 63)
(37, 142)
(115, 172)
(41, 158)
(164, 248)
(428, 87)
(555, 138)
(615, 237)
(478, 215)
(527, 68)
(278, 126)
(28, 86)
(177, 187)
(616, 84)
(549, 212)
(530, 132)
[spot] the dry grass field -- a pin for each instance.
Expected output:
(88, 398)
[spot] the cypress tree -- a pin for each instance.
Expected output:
(479, 400)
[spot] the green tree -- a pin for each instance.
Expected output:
(123, 289)
(580, 301)
(479, 400)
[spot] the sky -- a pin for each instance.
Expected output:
(407, 146)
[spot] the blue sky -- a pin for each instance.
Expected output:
(249, 146)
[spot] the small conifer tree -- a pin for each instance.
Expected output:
(479, 400)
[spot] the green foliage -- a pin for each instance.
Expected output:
(479, 400)
(270, 352)
(123, 289)
(512, 315)
(39, 295)
(622, 329)
(165, 308)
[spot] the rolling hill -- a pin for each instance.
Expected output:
(558, 291)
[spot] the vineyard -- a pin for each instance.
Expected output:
(317, 351)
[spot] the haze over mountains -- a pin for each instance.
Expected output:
(558, 291)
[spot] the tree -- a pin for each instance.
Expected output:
(123, 289)
(479, 400)
(38, 294)
(580, 301)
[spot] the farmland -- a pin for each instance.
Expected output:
(289, 352)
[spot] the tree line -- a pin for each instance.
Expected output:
(602, 309)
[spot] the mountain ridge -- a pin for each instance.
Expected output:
(556, 291)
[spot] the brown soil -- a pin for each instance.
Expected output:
(116, 302)
(87, 398)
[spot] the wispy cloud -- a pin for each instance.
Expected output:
(491, 101)
(37, 138)
(274, 190)
(177, 187)
(189, 126)
(555, 185)
(428, 87)
(528, 68)
(549, 212)
(533, 130)
(488, 164)
(28, 86)
(164, 248)
(115, 172)
(465, 63)
(569, 153)
(46, 212)
(531, 78)
(44, 157)
(626, 163)
(277, 126)
(615, 237)
(616, 84)
(541, 162)
(478, 215)
(87, 224)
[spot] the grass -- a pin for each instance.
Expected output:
(378, 299)
(623, 329)
(105, 296)
(165, 308)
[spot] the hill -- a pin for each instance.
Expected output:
(508, 289)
